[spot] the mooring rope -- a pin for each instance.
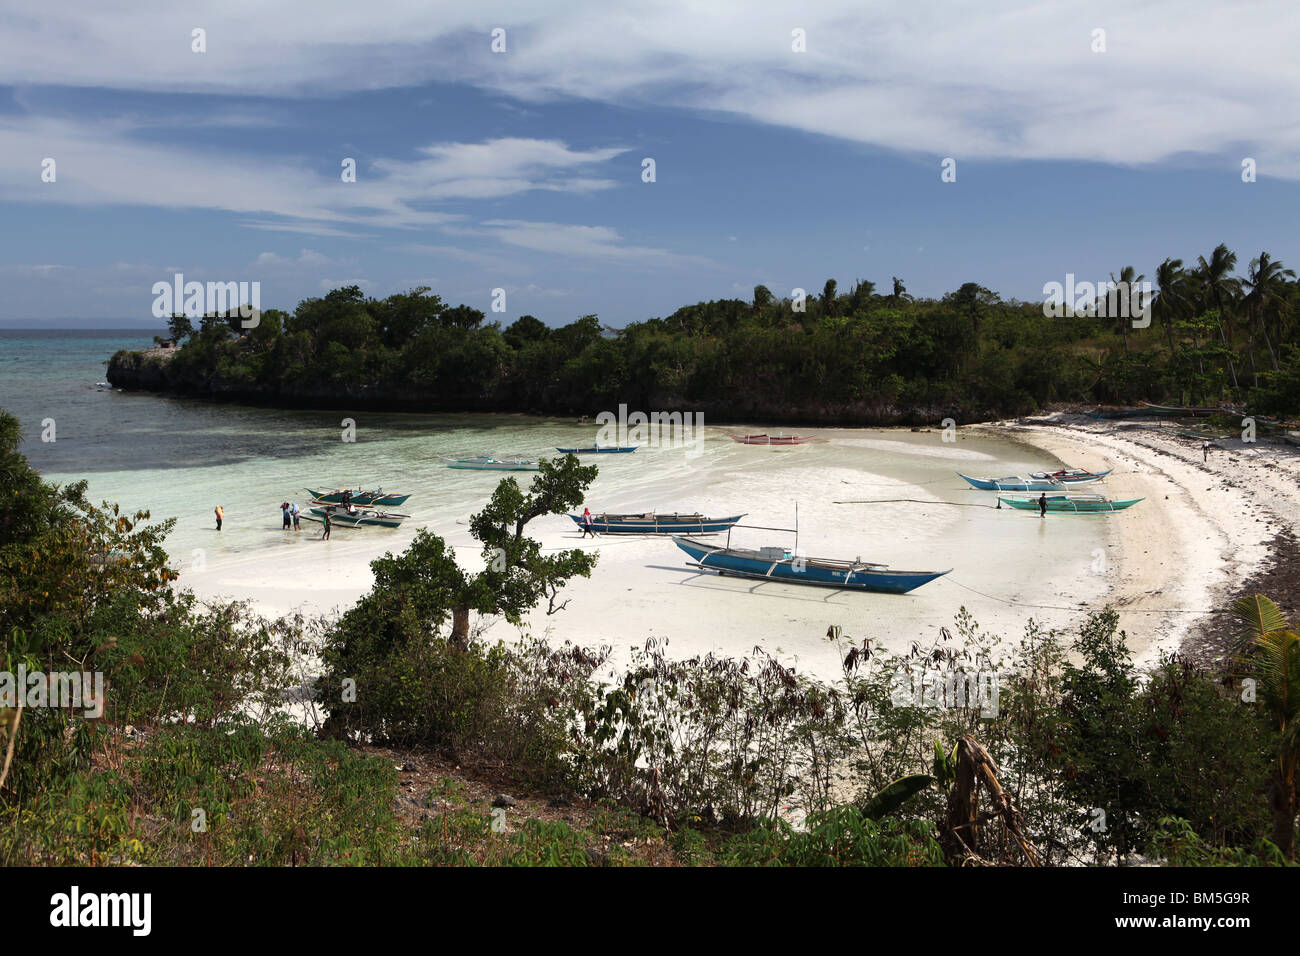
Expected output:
(1059, 607)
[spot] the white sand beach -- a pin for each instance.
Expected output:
(886, 495)
(1204, 529)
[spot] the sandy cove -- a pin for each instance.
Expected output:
(1205, 530)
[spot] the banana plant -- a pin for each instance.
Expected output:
(1272, 649)
(895, 795)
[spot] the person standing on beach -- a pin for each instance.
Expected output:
(1205, 451)
(326, 518)
(294, 511)
(284, 511)
(1042, 505)
(586, 523)
(220, 514)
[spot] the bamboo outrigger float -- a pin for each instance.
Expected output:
(651, 523)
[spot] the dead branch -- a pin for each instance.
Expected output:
(976, 769)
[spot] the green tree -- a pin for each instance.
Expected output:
(1128, 278)
(525, 329)
(1171, 300)
(1219, 288)
(828, 298)
(1272, 648)
(179, 327)
(1267, 284)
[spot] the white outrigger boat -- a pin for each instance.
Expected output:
(354, 517)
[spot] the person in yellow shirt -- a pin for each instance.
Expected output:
(220, 514)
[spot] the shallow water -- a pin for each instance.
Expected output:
(890, 496)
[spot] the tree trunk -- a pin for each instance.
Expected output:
(1223, 337)
(1169, 331)
(460, 627)
(1263, 327)
(1281, 800)
(975, 768)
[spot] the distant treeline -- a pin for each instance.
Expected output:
(856, 357)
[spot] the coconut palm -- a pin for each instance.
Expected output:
(1171, 296)
(1273, 651)
(1267, 284)
(1127, 280)
(1219, 287)
(900, 291)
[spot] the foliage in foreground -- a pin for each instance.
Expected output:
(711, 760)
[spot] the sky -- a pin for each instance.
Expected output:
(791, 143)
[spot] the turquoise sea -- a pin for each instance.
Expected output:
(889, 496)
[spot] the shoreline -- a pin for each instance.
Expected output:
(1209, 531)
(1169, 566)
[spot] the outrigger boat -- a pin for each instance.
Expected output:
(597, 450)
(355, 517)
(652, 523)
(1072, 475)
(376, 497)
(489, 463)
(1197, 411)
(771, 439)
(778, 564)
(1014, 483)
(1073, 504)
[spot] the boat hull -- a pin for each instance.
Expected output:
(598, 451)
(368, 498)
(1072, 477)
(1013, 483)
(491, 464)
(1065, 505)
(806, 571)
(657, 524)
(770, 440)
(360, 519)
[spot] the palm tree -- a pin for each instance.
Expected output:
(1267, 286)
(1127, 279)
(1219, 285)
(860, 297)
(900, 291)
(828, 297)
(1171, 297)
(1274, 651)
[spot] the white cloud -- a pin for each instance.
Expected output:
(960, 78)
(492, 169)
(99, 163)
(328, 285)
(586, 242)
(307, 258)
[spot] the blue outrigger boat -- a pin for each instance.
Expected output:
(375, 498)
(778, 564)
(1014, 483)
(597, 450)
(652, 523)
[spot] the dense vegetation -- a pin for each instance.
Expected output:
(855, 357)
(227, 739)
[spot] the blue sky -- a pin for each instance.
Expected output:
(522, 170)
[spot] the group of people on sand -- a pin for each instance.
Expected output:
(292, 515)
